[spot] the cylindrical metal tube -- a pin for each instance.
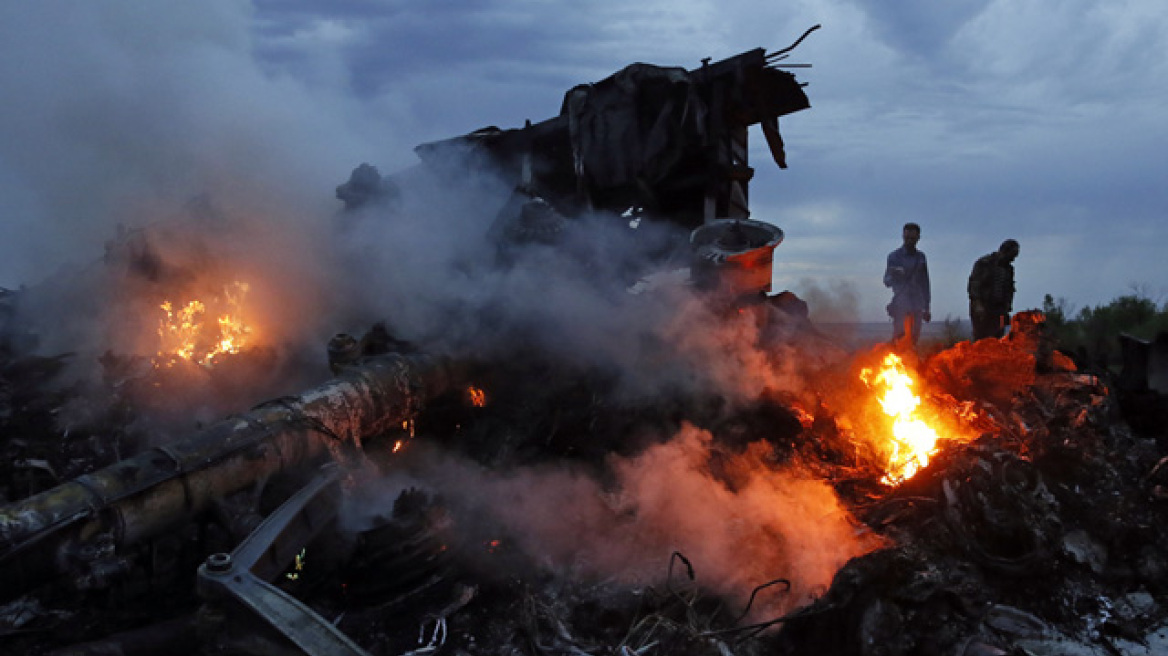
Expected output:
(158, 489)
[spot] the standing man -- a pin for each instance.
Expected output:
(907, 273)
(991, 291)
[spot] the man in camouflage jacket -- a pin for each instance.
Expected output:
(991, 291)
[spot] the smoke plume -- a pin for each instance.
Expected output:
(161, 162)
(748, 525)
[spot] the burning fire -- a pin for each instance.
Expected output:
(913, 440)
(478, 398)
(183, 332)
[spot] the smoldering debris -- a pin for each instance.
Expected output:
(542, 515)
(741, 520)
(1022, 541)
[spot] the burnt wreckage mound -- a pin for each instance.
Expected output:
(1041, 536)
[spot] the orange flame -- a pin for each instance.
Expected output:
(913, 441)
(181, 331)
(478, 398)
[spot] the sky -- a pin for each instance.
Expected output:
(1036, 120)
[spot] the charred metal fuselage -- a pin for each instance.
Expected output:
(667, 142)
(81, 527)
(670, 141)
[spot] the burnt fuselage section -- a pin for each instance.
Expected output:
(665, 142)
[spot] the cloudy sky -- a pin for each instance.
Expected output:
(979, 119)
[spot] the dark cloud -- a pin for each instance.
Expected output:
(973, 118)
(919, 28)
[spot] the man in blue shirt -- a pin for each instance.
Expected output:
(907, 273)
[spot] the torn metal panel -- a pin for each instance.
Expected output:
(665, 139)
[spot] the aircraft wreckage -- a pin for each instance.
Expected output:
(1024, 516)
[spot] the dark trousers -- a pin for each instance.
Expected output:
(988, 324)
(907, 323)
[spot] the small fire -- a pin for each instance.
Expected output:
(182, 334)
(478, 398)
(913, 441)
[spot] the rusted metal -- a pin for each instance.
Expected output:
(737, 254)
(92, 517)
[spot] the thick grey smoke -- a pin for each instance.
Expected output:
(146, 156)
(836, 302)
(428, 266)
(751, 525)
(162, 119)
(166, 122)
(126, 114)
(153, 160)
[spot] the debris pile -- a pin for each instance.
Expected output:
(1040, 535)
